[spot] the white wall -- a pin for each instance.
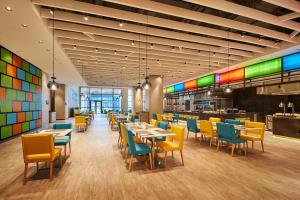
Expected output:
(45, 97)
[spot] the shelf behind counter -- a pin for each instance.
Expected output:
(205, 116)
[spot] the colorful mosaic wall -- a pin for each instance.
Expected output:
(20, 95)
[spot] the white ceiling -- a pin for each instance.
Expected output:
(25, 41)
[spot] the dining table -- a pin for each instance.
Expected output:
(58, 133)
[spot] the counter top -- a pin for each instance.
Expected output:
(286, 126)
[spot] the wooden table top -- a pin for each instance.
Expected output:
(56, 132)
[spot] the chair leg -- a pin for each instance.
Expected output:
(187, 135)
(252, 145)
(130, 163)
(37, 166)
(181, 154)
(245, 149)
(126, 156)
(25, 171)
(262, 146)
(125, 149)
(60, 160)
(172, 154)
(70, 147)
(232, 149)
(210, 142)
(150, 159)
(51, 169)
(165, 160)
(65, 148)
(118, 141)
(195, 136)
(218, 145)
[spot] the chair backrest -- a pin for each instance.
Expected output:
(260, 125)
(154, 116)
(130, 142)
(214, 119)
(123, 133)
(119, 129)
(62, 126)
(113, 120)
(159, 117)
(191, 124)
(163, 125)
(232, 121)
(132, 118)
(79, 119)
(38, 144)
(153, 122)
(206, 126)
(226, 131)
(176, 116)
(179, 135)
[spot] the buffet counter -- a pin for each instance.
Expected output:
(288, 126)
(223, 116)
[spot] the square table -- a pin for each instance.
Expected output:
(58, 133)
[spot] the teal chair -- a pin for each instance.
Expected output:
(162, 125)
(192, 127)
(133, 118)
(154, 116)
(226, 132)
(63, 141)
(232, 121)
(175, 118)
(136, 149)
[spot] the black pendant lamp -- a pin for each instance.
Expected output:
(228, 88)
(146, 85)
(139, 88)
(52, 85)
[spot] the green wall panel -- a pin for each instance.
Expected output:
(32, 88)
(11, 94)
(28, 116)
(6, 131)
(170, 89)
(2, 67)
(5, 106)
(2, 119)
(6, 81)
(206, 80)
(39, 73)
(21, 96)
(263, 68)
(25, 126)
(28, 77)
(6, 55)
(25, 65)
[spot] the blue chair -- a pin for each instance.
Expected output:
(162, 125)
(232, 121)
(154, 116)
(226, 132)
(63, 141)
(175, 118)
(136, 149)
(192, 127)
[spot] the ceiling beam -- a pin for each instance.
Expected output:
(289, 16)
(288, 4)
(251, 13)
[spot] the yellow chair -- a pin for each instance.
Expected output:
(254, 134)
(154, 122)
(170, 116)
(173, 143)
(80, 122)
(159, 117)
(214, 119)
(124, 138)
(39, 148)
(113, 123)
(207, 130)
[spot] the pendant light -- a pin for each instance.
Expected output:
(139, 87)
(228, 88)
(52, 85)
(146, 84)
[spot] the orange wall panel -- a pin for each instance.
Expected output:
(231, 76)
(190, 85)
(11, 70)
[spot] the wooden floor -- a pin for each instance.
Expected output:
(96, 170)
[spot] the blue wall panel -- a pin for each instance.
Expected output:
(291, 62)
(25, 106)
(11, 118)
(25, 86)
(179, 87)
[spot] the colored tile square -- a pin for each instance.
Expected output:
(5, 106)
(25, 65)
(17, 61)
(11, 94)
(6, 81)
(32, 88)
(2, 93)
(2, 67)
(28, 77)
(40, 114)
(6, 131)
(2, 119)
(40, 81)
(38, 72)
(28, 96)
(35, 80)
(25, 126)
(25, 106)
(21, 96)
(17, 129)
(6, 55)
(38, 106)
(25, 86)
(11, 70)
(38, 89)
(17, 106)
(38, 123)
(21, 74)
(32, 69)
(28, 116)
(21, 117)
(35, 115)
(11, 118)
(32, 125)
(32, 106)
(17, 84)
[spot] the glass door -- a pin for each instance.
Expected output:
(96, 107)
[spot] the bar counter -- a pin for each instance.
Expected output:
(286, 126)
(206, 116)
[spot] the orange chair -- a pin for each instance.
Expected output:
(39, 148)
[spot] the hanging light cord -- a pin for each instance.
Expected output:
(53, 46)
(147, 47)
(228, 60)
(139, 58)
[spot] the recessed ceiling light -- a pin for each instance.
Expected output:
(151, 45)
(126, 57)
(24, 25)
(132, 43)
(74, 47)
(115, 52)
(96, 49)
(121, 24)
(8, 8)
(51, 12)
(40, 41)
(85, 18)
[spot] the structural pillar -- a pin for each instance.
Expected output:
(155, 95)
